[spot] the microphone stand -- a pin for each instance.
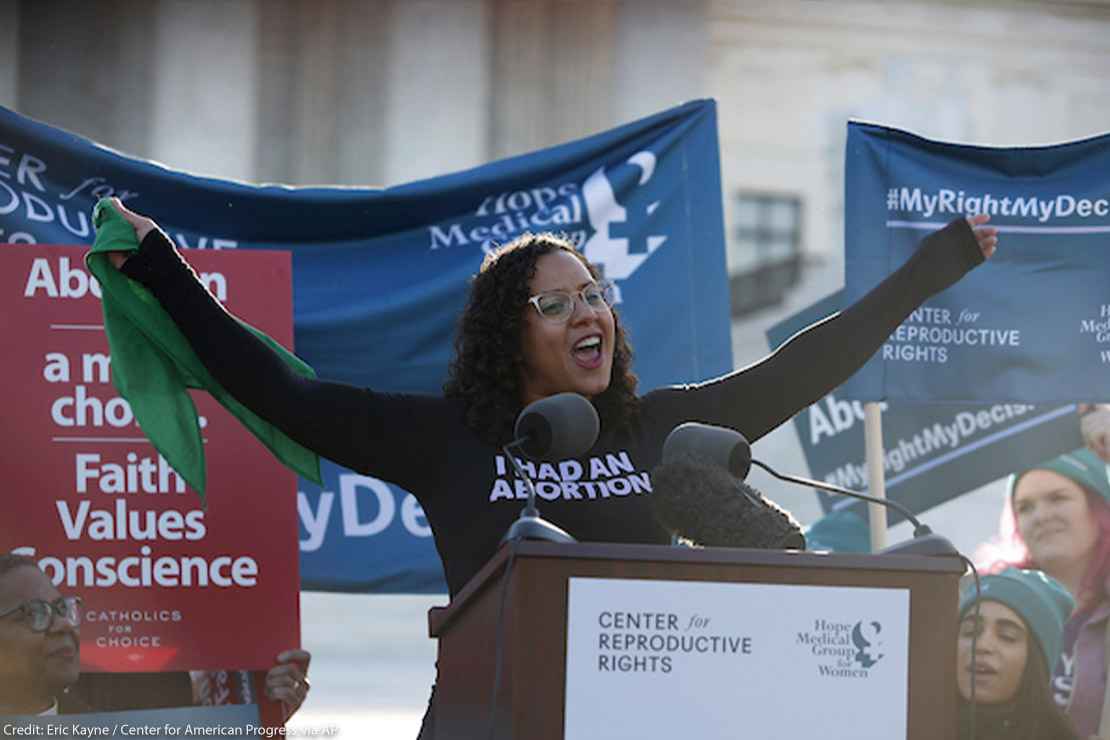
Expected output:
(924, 542)
(530, 525)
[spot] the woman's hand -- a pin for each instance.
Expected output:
(987, 236)
(141, 224)
(287, 681)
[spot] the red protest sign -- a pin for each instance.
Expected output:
(166, 585)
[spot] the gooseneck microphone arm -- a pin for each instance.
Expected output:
(726, 448)
(919, 529)
(529, 508)
(551, 429)
(530, 525)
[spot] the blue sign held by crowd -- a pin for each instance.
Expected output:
(932, 452)
(1032, 325)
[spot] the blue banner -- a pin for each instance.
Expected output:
(932, 452)
(1033, 324)
(380, 276)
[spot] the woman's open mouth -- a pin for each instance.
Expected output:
(587, 352)
(982, 672)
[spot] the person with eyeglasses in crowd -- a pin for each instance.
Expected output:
(39, 645)
(539, 321)
(40, 659)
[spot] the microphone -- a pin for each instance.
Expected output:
(557, 427)
(729, 449)
(724, 448)
(698, 499)
(552, 429)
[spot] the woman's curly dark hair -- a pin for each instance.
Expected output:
(486, 371)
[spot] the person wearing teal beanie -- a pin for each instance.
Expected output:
(839, 531)
(1061, 524)
(1057, 520)
(1062, 514)
(1017, 630)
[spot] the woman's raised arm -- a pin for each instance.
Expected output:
(341, 422)
(758, 398)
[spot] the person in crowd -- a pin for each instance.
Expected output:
(1058, 521)
(39, 650)
(841, 530)
(285, 682)
(1017, 633)
(538, 322)
(40, 658)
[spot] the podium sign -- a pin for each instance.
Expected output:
(702, 659)
(646, 641)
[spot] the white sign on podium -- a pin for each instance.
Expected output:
(693, 659)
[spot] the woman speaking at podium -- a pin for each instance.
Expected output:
(538, 322)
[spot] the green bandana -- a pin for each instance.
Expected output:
(153, 364)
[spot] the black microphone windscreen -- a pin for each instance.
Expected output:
(726, 448)
(557, 427)
(695, 498)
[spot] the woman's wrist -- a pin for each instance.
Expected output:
(156, 261)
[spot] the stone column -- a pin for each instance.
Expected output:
(437, 92)
(322, 69)
(648, 31)
(552, 72)
(86, 67)
(204, 86)
(9, 53)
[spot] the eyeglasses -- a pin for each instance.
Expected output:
(558, 305)
(39, 614)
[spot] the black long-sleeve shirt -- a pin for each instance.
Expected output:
(464, 486)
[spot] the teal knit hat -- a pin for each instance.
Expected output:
(1082, 466)
(839, 531)
(1041, 601)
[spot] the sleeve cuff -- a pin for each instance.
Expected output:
(156, 261)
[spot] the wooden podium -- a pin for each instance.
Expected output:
(531, 701)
